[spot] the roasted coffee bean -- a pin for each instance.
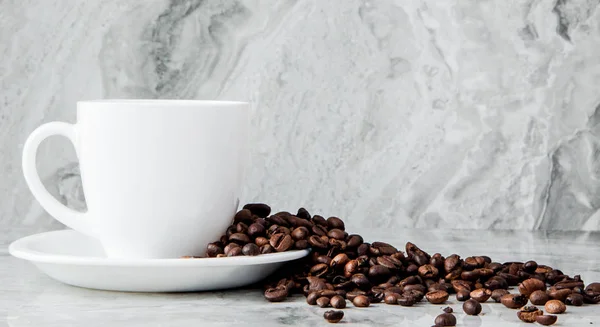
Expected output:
(243, 215)
(437, 297)
(333, 316)
(350, 268)
(445, 319)
(593, 287)
(481, 294)
(484, 273)
(335, 222)
(281, 242)
(251, 249)
(323, 302)
(452, 263)
(255, 230)
(379, 272)
(260, 241)
(389, 262)
(300, 233)
(546, 320)
(319, 270)
(303, 214)
(363, 249)
(266, 249)
(591, 297)
(339, 260)
(495, 266)
(574, 299)
(301, 245)
(555, 306)
(277, 221)
(417, 255)
(338, 234)
(213, 249)
(428, 271)
(352, 294)
(354, 241)
(327, 293)
(529, 313)
(312, 297)
(319, 220)
(513, 301)
(472, 307)
(276, 294)
(415, 287)
(391, 298)
(239, 238)
(448, 310)
(382, 248)
(539, 297)
(498, 293)
(410, 280)
(337, 244)
(471, 275)
(559, 294)
(406, 301)
(260, 209)
(322, 259)
(472, 263)
(230, 247)
(568, 284)
(531, 285)
(361, 301)
(530, 266)
(459, 285)
(412, 269)
(376, 297)
(437, 287)
(241, 228)
(463, 295)
(317, 242)
(512, 280)
(437, 260)
(236, 251)
(361, 281)
(495, 283)
(338, 302)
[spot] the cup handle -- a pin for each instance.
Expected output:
(72, 218)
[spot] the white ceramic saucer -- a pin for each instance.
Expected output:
(75, 259)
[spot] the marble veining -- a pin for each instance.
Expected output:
(29, 298)
(396, 114)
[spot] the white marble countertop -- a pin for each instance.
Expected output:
(29, 298)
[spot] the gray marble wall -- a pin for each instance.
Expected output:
(390, 114)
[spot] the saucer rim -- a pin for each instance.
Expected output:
(20, 249)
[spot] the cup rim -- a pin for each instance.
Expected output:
(163, 101)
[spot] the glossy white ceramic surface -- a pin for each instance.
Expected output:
(162, 178)
(73, 258)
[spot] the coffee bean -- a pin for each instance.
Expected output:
(415, 287)
(472, 307)
(481, 294)
(243, 215)
(337, 244)
(382, 248)
(338, 302)
(428, 271)
(472, 263)
(530, 266)
(471, 275)
(568, 284)
(499, 293)
(338, 234)
(323, 302)
(333, 316)
(316, 242)
(460, 285)
(448, 310)
(529, 313)
(352, 294)
(354, 241)
(391, 298)
(361, 301)
(361, 281)
(303, 214)
(574, 299)
(235, 252)
(239, 238)
(445, 319)
(513, 301)
(276, 294)
(260, 209)
(558, 294)
(277, 221)
(555, 306)
(260, 241)
(319, 220)
(281, 242)
(319, 270)
(437, 260)
(241, 228)
(379, 272)
(300, 233)
(452, 262)
(339, 260)
(255, 230)
(546, 320)
(530, 285)
(251, 249)
(389, 262)
(406, 301)
(266, 249)
(213, 249)
(438, 287)
(230, 247)
(437, 297)
(593, 287)
(495, 283)
(301, 245)
(463, 295)
(312, 297)
(335, 222)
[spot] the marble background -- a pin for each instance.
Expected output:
(389, 114)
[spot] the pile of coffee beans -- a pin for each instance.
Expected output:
(344, 267)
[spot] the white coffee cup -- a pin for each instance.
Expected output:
(161, 178)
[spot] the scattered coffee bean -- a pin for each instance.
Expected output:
(406, 301)
(463, 295)
(361, 301)
(574, 299)
(593, 287)
(251, 249)
(530, 266)
(445, 319)
(338, 302)
(437, 297)
(513, 301)
(529, 313)
(333, 316)
(213, 249)
(546, 320)
(538, 297)
(391, 298)
(499, 293)
(531, 285)
(481, 294)
(555, 306)
(312, 297)
(472, 307)
(277, 294)
(448, 310)
(323, 302)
